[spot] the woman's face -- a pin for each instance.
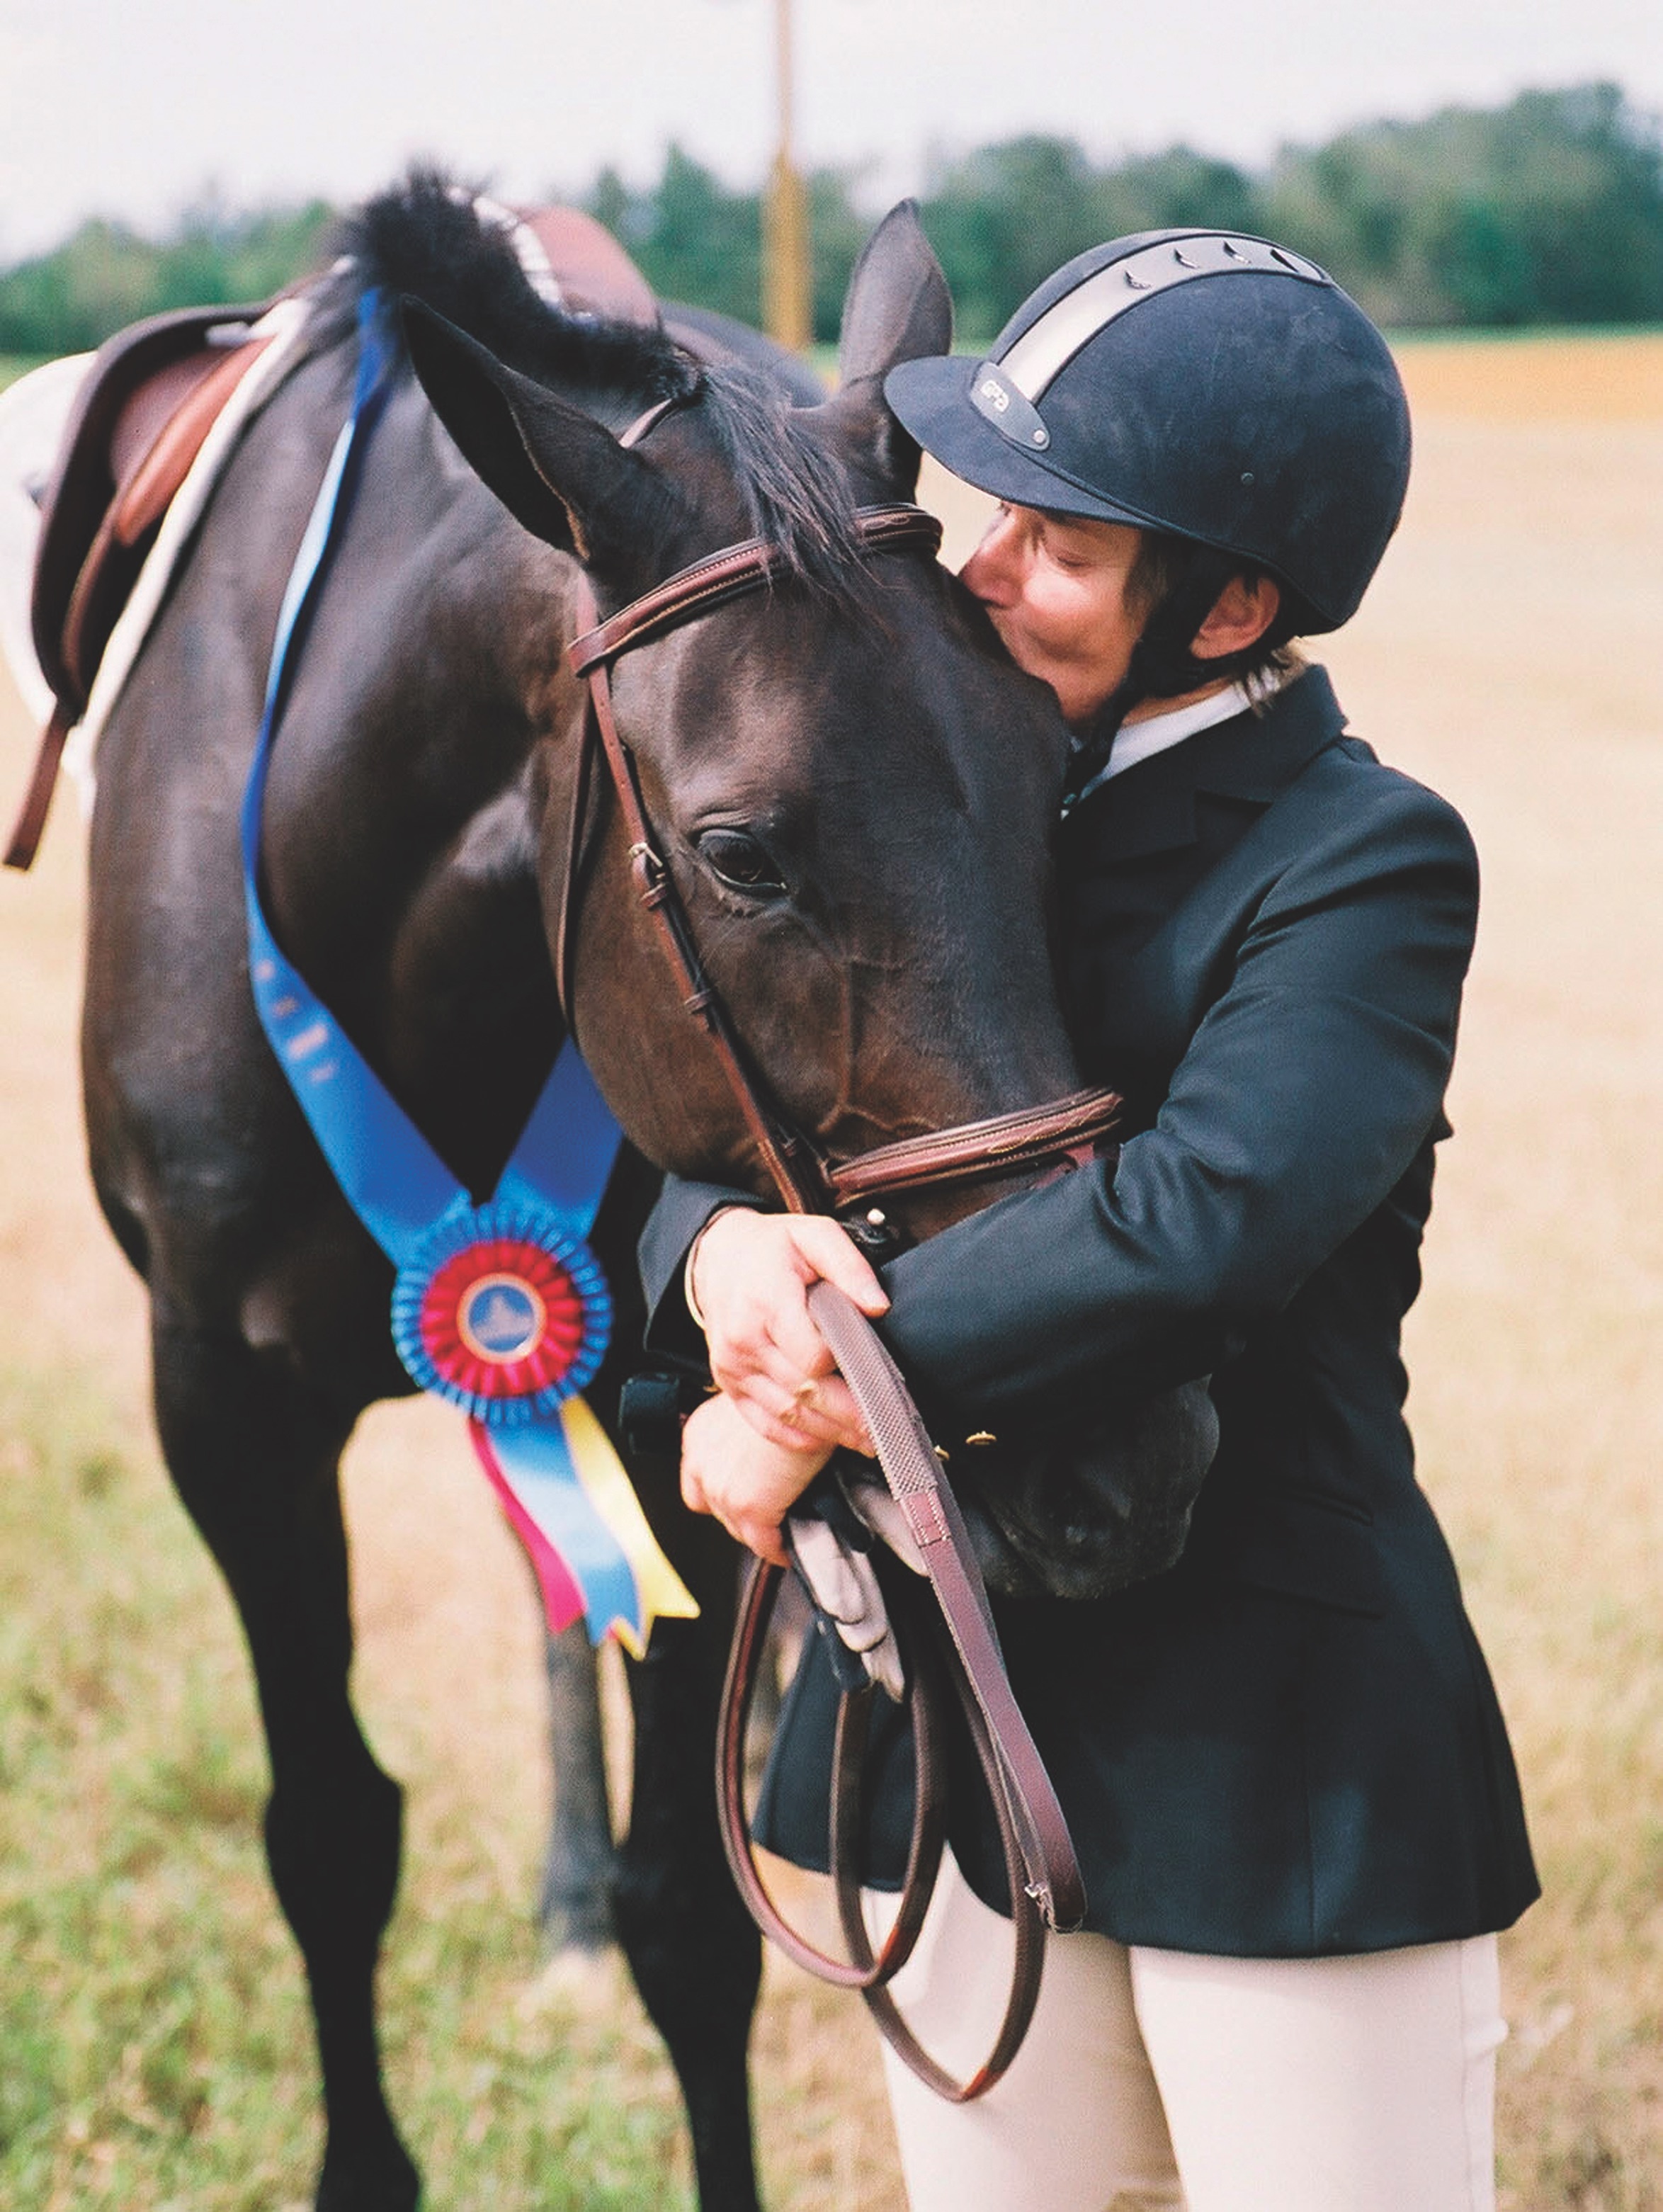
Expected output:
(1054, 587)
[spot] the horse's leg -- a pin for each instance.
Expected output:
(574, 1910)
(254, 1452)
(695, 1955)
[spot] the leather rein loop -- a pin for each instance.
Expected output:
(1043, 1873)
(1044, 1878)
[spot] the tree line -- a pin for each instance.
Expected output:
(1546, 210)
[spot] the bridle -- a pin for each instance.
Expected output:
(806, 1182)
(1044, 1879)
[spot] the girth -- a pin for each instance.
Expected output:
(1044, 1878)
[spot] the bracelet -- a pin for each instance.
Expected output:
(688, 1296)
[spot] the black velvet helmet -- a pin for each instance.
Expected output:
(1199, 383)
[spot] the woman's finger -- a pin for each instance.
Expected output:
(797, 1344)
(748, 1486)
(750, 1273)
(786, 1361)
(827, 1248)
(763, 1537)
(830, 1417)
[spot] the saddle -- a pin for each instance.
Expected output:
(591, 272)
(153, 393)
(151, 396)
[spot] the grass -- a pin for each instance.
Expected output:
(155, 2048)
(153, 2011)
(156, 2044)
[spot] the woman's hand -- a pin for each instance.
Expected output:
(750, 1486)
(750, 1278)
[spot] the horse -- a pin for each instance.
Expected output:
(854, 788)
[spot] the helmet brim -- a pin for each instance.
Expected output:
(932, 401)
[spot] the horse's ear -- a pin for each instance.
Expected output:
(897, 309)
(562, 475)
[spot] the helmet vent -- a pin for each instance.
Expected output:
(1048, 345)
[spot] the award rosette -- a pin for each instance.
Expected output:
(504, 1311)
(501, 1307)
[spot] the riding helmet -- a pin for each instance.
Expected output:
(1200, 383)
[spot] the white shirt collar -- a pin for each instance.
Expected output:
(1141, 741)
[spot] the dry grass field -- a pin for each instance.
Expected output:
(153, 2049)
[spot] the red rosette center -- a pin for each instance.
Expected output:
(502, 1319)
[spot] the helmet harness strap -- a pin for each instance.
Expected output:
(1163, 666)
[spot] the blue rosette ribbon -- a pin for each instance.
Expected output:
(501, 1308)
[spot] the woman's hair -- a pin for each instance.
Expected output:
(1160, 567)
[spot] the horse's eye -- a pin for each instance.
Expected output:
(743, 862)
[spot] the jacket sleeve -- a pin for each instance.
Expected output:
(1304, 1095)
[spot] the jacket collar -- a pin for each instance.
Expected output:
(1151, 808)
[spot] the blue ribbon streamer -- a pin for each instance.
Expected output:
(397, 1184)
(394, 1181)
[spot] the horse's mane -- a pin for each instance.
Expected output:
(427, 237)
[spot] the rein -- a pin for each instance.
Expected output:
(1044, 1878)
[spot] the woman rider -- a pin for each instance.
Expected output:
(1286, 1775)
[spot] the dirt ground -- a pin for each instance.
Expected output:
(1507, 656)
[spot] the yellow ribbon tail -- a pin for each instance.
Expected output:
(610, 1491)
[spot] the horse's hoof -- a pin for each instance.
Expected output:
(381, 2179)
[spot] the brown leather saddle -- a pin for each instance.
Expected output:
(150, 398)
(153, 393)
(596, 276)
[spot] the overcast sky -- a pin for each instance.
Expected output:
(133, 107)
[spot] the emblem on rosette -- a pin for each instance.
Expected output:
(504, 1311)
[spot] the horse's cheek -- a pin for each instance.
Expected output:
(799, 1022)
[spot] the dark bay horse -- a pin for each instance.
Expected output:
(854, 789)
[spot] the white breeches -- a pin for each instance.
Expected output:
(1163, 2081)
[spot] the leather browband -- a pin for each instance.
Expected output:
(750, 566)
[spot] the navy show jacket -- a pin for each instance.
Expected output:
(1289, 1745)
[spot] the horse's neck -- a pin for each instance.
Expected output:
(401, 854)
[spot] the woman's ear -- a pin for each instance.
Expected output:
(1240, 617)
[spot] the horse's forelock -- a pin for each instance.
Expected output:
(795, 492)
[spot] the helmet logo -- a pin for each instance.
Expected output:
(1011, 414)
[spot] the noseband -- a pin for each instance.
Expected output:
(1065, 1132)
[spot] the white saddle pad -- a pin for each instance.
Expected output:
(33, 413)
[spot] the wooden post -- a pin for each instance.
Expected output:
(787, 284)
